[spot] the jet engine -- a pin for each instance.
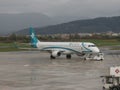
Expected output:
(56, 53)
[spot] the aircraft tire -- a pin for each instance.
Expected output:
(101, 59)
(52, 57)
(68, 56)
(85, 58)
(103, 88)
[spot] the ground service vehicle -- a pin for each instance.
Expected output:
(112, 81)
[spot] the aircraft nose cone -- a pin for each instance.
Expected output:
(97, 50)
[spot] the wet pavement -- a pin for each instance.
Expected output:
(32, 70)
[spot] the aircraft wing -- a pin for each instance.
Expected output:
(31, 49)
(25, 46)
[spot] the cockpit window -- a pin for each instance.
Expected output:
(91, 46)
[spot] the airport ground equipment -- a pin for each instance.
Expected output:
(98, 57)
(112, 81)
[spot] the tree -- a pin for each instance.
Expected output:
(13, 37)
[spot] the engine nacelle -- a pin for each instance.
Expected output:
(56, 53)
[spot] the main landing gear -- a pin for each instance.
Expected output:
(68, 56)
(52, 57)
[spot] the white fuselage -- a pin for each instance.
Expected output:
(58, 48)
(68, 47)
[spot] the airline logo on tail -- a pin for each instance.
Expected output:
(34, 39)
(32, 35)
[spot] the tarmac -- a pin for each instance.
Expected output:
(33, 70)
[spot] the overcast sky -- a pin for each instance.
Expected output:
(74, 8)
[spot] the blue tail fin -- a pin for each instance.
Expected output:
(34, 39)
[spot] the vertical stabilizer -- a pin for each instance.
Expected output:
(34, 40)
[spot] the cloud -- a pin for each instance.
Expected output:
(92, 8)
(75, 8)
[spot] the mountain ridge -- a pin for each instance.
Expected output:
(96, 25)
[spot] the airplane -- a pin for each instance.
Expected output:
(57, 49)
